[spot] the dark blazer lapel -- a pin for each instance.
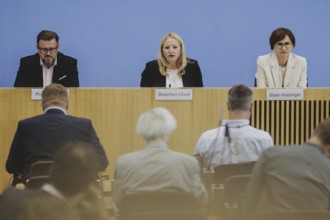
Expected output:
(162, 81)
(58, 72)
(189, 79)
(186, 80)
(37, 71)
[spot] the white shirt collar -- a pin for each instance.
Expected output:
(236, 123)
(47, 73)
(54, 107)
(53, 191)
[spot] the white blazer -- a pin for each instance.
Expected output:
(268, 72)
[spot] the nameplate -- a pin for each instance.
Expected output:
(173, 94)
(285, 94)
(36, 93)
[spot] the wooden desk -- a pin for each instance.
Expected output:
(114, 112)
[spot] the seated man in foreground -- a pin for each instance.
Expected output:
(156, 168)
(292, 177)
(73, 180)
(71, 193)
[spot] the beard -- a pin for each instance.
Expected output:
(48, 61)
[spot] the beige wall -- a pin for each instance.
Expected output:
(114, 113)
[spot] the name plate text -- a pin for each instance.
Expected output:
(37, 92)
(285, 94)
(173, 94)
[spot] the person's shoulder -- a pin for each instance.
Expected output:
(30, 57)
(76, 118)
(62, 56)
(15, 193)
(260, 131)
(11, 191)
(30, 119)
(278, 150)
(299, 58)
(152, 63)
(210, 132)
(265, 56)
(127, 158)
(192, 62)
(80, 122)
(260, 134)
(182, 156)
(150, 66)
(266, 59)
(128, 155)
(41, 117)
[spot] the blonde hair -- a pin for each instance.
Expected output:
(54, 95)
(182, 60)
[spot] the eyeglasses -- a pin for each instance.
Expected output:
(287, 45)
(46, 50)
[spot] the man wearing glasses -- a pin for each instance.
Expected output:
(48, 65)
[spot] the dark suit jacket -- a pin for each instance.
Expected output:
(17, 204)
(151, 77)
(38, 138)
(13, 202)
(30, 72)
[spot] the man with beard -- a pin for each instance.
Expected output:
(48, 65)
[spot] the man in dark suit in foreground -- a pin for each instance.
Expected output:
(18, 204)
(291, 178)
(48, 65)
(73, 179)
(39, 137)
(71, 193)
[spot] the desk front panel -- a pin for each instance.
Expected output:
(114, 112)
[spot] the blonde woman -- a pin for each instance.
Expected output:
(172, 68)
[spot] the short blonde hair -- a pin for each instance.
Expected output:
(54, 95)
(182, 60)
